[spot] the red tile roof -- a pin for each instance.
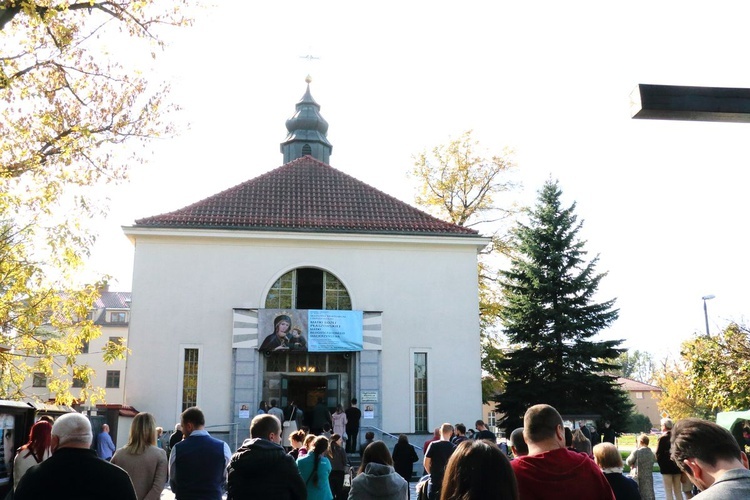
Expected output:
(306, 195)
(634, 385)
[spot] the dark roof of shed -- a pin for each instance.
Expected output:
(306, 195)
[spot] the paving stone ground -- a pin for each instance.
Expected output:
(658, 490)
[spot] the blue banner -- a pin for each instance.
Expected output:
(334, 331)
(309, 330)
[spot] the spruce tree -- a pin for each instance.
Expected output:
(550, 318)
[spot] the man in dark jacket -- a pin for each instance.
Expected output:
(74, 471)
(353, 415)
(261, 468)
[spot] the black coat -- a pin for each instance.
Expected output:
(663, 456)
(262, 469)
(404, 457)
(75, 474)
(623, 487)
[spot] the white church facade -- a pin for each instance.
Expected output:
(383, 296)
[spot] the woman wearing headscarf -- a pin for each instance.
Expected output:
(279, 339)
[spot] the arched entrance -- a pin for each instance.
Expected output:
(303, 377)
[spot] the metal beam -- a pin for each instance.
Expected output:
(677, 102)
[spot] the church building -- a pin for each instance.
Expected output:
(304, 284)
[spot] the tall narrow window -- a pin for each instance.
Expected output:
(190, 379)
(420, 392)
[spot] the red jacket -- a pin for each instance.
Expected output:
(560, 474)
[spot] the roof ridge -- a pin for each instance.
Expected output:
(306, 193)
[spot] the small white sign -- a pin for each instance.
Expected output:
(368, 397)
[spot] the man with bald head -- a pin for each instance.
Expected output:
(105, 448)
(550, 470)
(74, 471)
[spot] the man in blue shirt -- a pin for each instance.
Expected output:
(198, 463)
(105, 448)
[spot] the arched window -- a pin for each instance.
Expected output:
(306, 149)
(308, 288)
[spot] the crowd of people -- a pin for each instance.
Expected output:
(550, 461)
(545, 461)
(316, 467)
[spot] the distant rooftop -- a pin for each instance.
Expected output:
(634, 385)
(113, 300)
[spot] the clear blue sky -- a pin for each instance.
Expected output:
(664, 203)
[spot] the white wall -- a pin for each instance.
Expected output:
(184, 289)
(95, 360)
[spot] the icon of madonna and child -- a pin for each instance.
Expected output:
(284, 337)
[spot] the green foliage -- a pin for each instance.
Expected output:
(67, 106)
(718, 369)
(636, 365)
(712, 375)
(638, 423)
(461, 184)
(550, 316)
(491, 387)
(43, 323)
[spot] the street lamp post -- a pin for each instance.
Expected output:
(705, 310)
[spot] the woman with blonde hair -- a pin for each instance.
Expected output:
(608, 458)
(145, 463)
(306, 445)
(339, 421)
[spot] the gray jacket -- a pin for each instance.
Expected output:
(733, 485)
(379, 482)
